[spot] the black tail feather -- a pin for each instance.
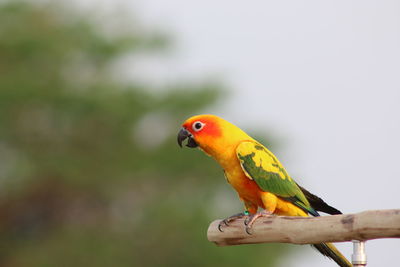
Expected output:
(329, 250)
(318, 204)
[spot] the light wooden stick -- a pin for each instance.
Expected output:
(310, 230)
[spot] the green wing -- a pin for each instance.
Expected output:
(260, 165)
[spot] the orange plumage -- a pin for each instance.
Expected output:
(219, 139)
(256, 174)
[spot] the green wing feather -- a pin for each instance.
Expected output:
(260, 165)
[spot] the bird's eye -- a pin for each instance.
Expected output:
(198, 125)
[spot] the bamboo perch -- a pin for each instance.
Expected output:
(310, 230)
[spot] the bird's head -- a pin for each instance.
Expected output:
(210, 133)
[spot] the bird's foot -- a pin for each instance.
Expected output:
(253, 217)
(226, 221)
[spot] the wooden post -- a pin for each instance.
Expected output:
(310, 230)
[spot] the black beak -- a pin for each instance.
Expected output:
(182, 135)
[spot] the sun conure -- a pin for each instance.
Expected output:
(256, 174)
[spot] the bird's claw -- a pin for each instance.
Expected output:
(230, 219)
(249, 230)
(252, 218)
(221, 223)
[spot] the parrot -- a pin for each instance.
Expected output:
(260, 180)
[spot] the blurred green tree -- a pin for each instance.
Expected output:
(90, 173)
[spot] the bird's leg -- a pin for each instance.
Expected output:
(232, 218)
(253, 217)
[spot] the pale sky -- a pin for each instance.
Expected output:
(323, 76)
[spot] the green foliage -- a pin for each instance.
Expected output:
(90, 172)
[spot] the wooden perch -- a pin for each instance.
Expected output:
(310, 230)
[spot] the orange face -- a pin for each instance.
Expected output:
(200, 130)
